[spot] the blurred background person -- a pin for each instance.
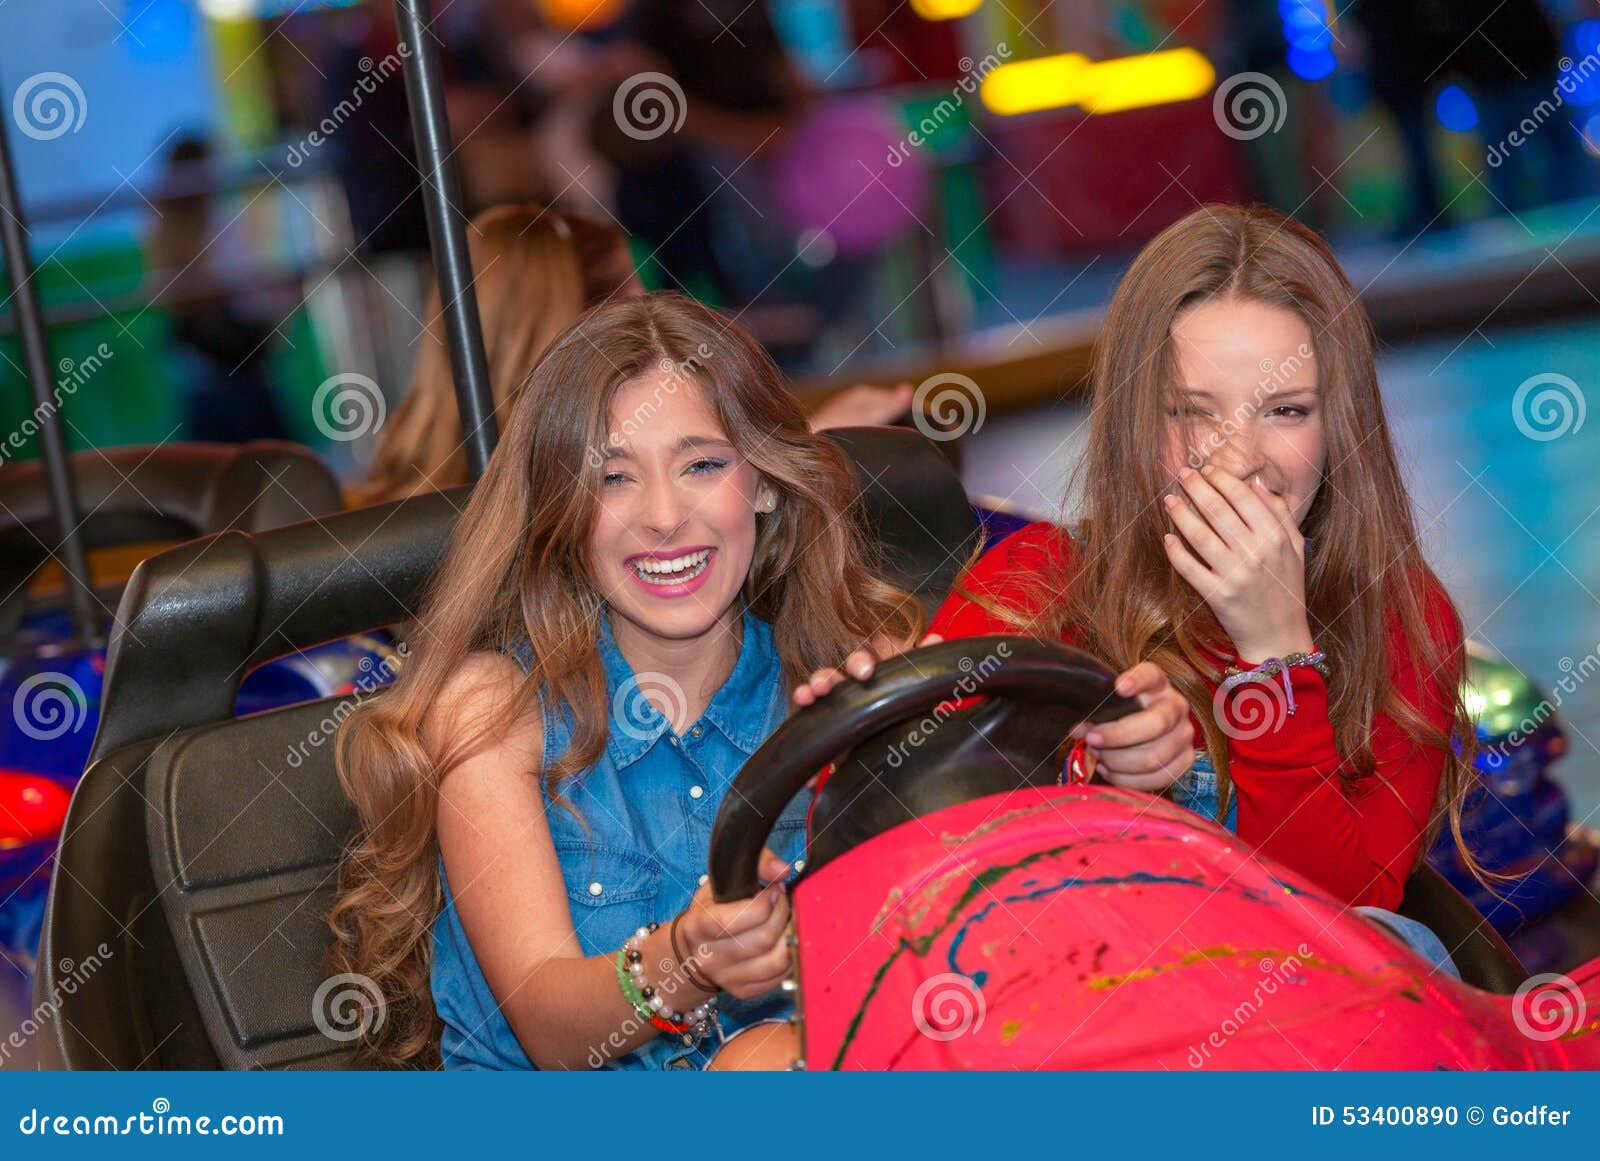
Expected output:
(223, 324)
(536, 270)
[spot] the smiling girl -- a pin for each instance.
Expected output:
(1263, 560)
(659, 549)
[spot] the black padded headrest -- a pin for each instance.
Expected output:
(145, 493)
(915, 507)
(194, 620)
(174, 491)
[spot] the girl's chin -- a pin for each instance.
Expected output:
(675, 620)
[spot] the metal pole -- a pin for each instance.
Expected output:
(441, 196)
(36, 363)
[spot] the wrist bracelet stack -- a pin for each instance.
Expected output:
(1233, 676)
(648, 1003)
(686, 964)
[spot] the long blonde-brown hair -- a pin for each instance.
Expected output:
(535, 270)
(517, 565)
(1365, 574)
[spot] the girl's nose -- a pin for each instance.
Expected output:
(664, 508)
(1238, 461)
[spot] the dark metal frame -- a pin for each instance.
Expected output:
(36, 363)
(447, 235)
(441, 194)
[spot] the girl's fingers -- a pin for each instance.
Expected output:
(819, 684)
(1152, 783)
(1214, 506)
(1136, 729)
(773, 869)
(730, 920)
(860, 664)
(1200, 578)
(930, 639)
(1146, 758)
(1144, 678)
(1245, 500)
(1279, 507)
(1200, 536)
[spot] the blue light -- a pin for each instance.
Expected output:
(1310, 39)
(1455, 109)
(1584, 37)
(1579, 83)
(1305, 28)
(1312, 65)
(1591, 134)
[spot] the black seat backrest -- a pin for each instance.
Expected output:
(201, 850)
(246, 839)
(140, 494)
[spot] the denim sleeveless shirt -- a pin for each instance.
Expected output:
(649, 803)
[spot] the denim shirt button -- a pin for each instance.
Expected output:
(697, 732)
(696, 791)
(596, 889)
(703, 879)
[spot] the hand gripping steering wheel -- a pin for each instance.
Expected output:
(911, 752)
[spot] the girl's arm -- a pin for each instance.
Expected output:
(508, 889)
(1362, 845)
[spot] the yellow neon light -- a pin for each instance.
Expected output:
(1026, 86)
(1108, 86)
(944, 9)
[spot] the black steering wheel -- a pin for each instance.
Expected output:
(897, 768)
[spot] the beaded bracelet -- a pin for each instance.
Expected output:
(647, 1002)
(1234, 677)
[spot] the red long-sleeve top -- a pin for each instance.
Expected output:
(1361, 845)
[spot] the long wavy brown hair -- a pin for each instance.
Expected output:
(1365, 574)
(535, 270)
(517, 564)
